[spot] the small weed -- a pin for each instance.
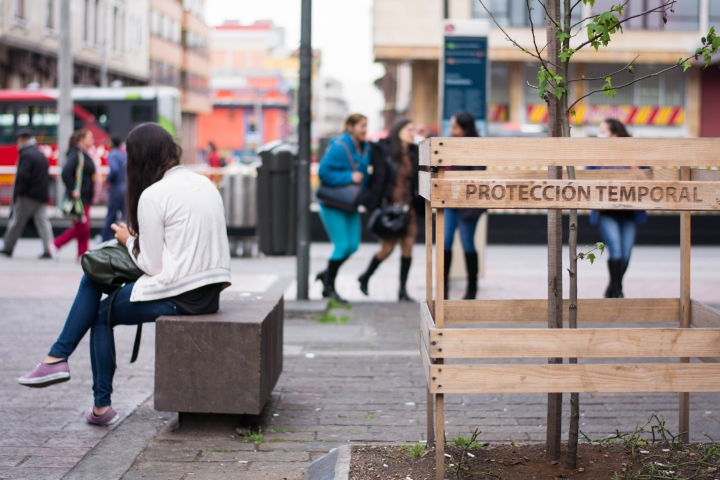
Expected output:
(466, 443)
(415, 451)
(328, 317)
(277, 439)
(369, 416)
(334, 304)
(256, 437)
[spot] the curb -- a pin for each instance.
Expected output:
(333, 466)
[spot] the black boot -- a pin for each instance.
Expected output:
(404, 271)
(446, 272)
(471, 263)
(321, 277)
(365, 277)
(614, 289)
(331, 273)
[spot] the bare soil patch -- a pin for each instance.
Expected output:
(660, 461)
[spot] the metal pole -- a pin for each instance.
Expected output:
(103, 45)
(303, 173)
(65, 83)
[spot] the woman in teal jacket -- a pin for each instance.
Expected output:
(343, 227)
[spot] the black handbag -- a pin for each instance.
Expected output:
(110, 264)
(345, 198)
(390, 221)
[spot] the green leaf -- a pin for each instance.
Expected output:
(572, 112)
(600, 246)
(591, 257)
(631, 68)
(686, 65)
(589, 2)
(558, 91)
(562, 36)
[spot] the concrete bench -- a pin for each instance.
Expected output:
(228, 362)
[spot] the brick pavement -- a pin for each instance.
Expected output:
(359, 382)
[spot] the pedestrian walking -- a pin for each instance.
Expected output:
(78, 175)
(617, 227)
(393, 192)
(343, 177)
(176, 236)
(214, 159)
(462, 124)
(30, 195)
(117, 161)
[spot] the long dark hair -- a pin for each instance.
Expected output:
(467, 122)
(396, 150)
(151, 151)
(616, 127)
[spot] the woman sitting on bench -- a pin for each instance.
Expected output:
(176, 236)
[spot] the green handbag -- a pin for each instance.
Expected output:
(110, 264)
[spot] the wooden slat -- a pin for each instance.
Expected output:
(520, 152)
(684, 400)
(702, 316)
(425, 356)
(439, 310)
(424, 184)
(582, 343)
(632, 174)
(426, 322)
(429, 255)
(595, 310)
(576, 194)
(703, 175)
(611, 378)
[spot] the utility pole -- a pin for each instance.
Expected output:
(65, 84)
(303, 172)
(103, 45)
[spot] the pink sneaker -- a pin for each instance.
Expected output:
(45, 375)
(107, 418)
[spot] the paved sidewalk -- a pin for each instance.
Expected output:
(360, 382)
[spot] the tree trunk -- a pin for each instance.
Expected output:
(555, 129)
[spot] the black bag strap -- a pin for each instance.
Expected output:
(349, 155)
(138, 334)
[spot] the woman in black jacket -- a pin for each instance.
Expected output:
(79, 163)
(395, 181)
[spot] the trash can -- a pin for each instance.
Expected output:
(239, 192)
(276, 199)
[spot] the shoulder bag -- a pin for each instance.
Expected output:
(390, 221)
(345, 198)
(110, 264)
(73, 207)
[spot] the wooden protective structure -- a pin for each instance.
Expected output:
(697, 334)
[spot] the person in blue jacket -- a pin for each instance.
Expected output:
(117, 161)
(342, 226)
(617, 227)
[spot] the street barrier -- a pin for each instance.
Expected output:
(698, 332)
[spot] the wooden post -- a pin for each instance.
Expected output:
(429, 298)
(684, 418)
(555, 291)
(440, 323)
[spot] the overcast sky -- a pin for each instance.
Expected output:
(341, 30)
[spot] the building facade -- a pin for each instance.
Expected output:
(179, 57)
(113, 29)
(407, 35)
(332, 109)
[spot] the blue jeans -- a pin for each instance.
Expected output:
(467, 230)
(618, 236)
(344, 230)
(115, 204)
(89, 313)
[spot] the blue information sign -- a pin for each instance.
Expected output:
(465, 80)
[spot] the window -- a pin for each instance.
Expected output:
(89, 15)
(141, 113)
(514, 13)
(118, 37)
(100, 23)
(7, 119)
(499, 84)
(155, 23)
(99, 111)
(20, 9)
(45, 120)
(683, 15)
(665, 90)
(51, 15)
